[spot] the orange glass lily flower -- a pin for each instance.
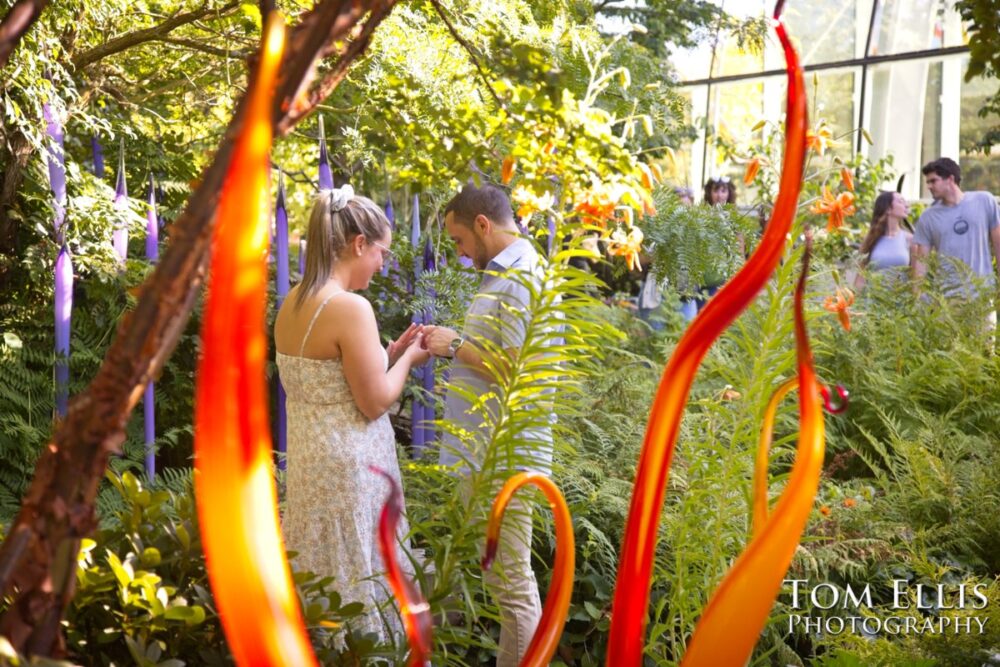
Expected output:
(234, 483)
(835, 208)
(820, 140)
(753, 166)
(508, 169)
(413, 607)
(839, 304)
(530, 202)
(648, 180)
(598, 203)
(627, 245)
(648, 207)
(546, 639)
(846, 178)
(657, 172)
(630, 609)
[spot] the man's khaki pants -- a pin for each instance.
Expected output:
(511, 582)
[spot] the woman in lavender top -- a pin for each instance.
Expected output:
(886, 248)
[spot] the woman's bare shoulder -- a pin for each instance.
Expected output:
(349, 303)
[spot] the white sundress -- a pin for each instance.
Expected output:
(333, 500)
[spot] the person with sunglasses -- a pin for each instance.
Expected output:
(340, 383)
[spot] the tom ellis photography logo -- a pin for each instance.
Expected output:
(917, 608)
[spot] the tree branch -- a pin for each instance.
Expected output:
(206, 48)
(16, 22)
(58, 509)
(128, 40)
(472, 53)
(338, 20)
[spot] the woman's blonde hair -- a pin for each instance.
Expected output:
(330, 232)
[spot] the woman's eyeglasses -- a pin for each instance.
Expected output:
(386, 252)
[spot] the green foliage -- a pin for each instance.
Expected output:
(697, 246)
(27, 397)
(664, 23)
(984, 58)
(143, 596)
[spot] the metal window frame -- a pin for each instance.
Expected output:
(864, 63)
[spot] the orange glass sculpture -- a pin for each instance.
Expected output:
(759, 503)
(546, 639)
(413, 607)
(631, 600)
(234, 483)
(738, 610)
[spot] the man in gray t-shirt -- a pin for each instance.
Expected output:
(963, 227)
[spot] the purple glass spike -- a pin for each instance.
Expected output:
(390, 213)
(281, 284)
(429, 261)
(57, 167)
(325, 175)
(281, 424)
(98, 151)
(281, 241)
(429, 434)
(152, 224)
(393, 263)
(160, 195)
(416, 426)
(552, 234)
(415, 222)
(120, 235)
(63, 315)
(149, 399)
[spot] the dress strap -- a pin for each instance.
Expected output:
(309, 329)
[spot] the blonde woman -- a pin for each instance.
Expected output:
(340, 382)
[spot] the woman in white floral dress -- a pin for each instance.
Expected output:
(339, 383)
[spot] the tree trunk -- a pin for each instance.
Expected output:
(13, 174)
(38, 557)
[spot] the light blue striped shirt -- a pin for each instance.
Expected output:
(497, 314)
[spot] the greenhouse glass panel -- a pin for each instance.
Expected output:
(907, 25)
(904, 115)
(826, 31)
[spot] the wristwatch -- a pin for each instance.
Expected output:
(454, 344)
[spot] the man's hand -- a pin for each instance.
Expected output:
(438, 339)
(395, 348)
(995, 245)
(917, 262)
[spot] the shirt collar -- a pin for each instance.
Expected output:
(509, 255)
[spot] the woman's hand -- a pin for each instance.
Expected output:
(416, 353)
(397, 347)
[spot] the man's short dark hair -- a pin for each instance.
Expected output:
(488, 200)
(944, 167)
